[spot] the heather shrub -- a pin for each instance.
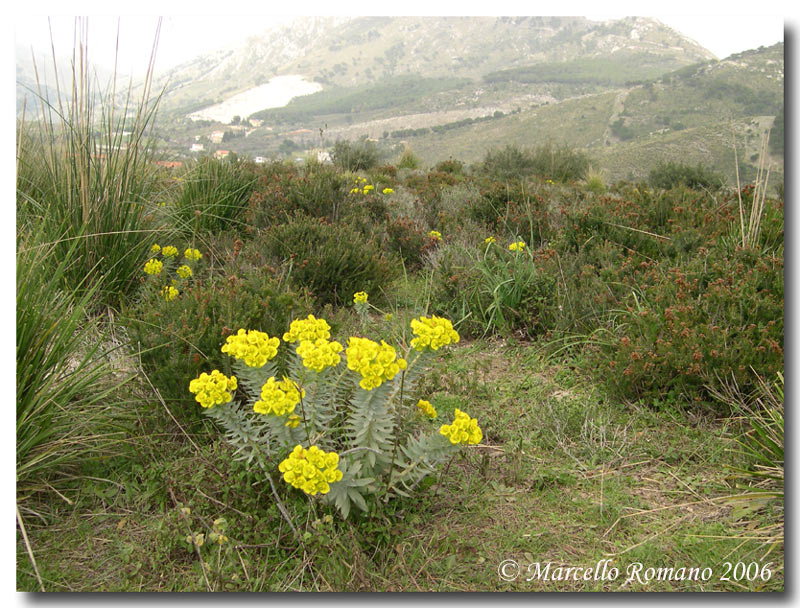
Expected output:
(689, 327)
(331, 261)
(556, 163)
(409, 240)
(355, 156)
(669, 174)
(322, 192)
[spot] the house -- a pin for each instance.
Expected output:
(216, 137)
(169, 164)
(259, 160)
(197, 148)
(222, 153)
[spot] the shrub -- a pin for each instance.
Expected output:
(556, 163)
(451, 165)
(687, 327)
(408, 160)
(409, 240)
(332, 261)
(670, 174)
(355, 156)
(213, 194)
(282, 194)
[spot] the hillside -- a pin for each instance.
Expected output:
(629, 91)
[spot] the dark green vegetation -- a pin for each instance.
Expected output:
(624, 360)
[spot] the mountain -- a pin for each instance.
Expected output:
(631, 92)
(354, 52)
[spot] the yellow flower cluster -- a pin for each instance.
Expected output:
(433, 332)
(489, 240)
(155, 249)
(293, 421)
(253, 347)
(361, 186)
(192, 254)
(169, 293)
(387, 190)
(278, 398)
(319, 354)
(375, 362)
(169, 251)
(360, 297)
(435, 235)
(426, 408)
(518, 246)
(309, 328)
(153, 266)
(463, 430)
(311, 470)
(184, 271)
(213, 389)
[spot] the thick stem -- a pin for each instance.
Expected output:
(396, 435)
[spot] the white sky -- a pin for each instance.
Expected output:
(184, 36)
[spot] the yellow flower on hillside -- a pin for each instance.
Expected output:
(311, 470)
(489, 240)
(155, 249)
(375, 362)
(213, 389)
(319, 354)
(463, 430)
(253, 347)
(433, 333)
(435, 235)
(169, 293)
(360, 297)
(518, 246)
(153, 266)
(387, 190)
(278, 398)
(184, 271)
(309, 328)
(169, 251)
(192, 254)
(426, 408)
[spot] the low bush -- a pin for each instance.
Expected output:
(331, 261)
(670, 174)
(556, 163)
(355, 156)
(322, 192)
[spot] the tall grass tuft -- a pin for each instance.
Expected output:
(63, 382)
(85, 175)
(213, 195)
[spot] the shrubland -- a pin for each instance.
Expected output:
(435, 341)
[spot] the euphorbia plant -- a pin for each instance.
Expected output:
(331, 420)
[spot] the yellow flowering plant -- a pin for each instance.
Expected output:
(170, 288)
(339, 423)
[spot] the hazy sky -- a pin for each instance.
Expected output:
(186, 36)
